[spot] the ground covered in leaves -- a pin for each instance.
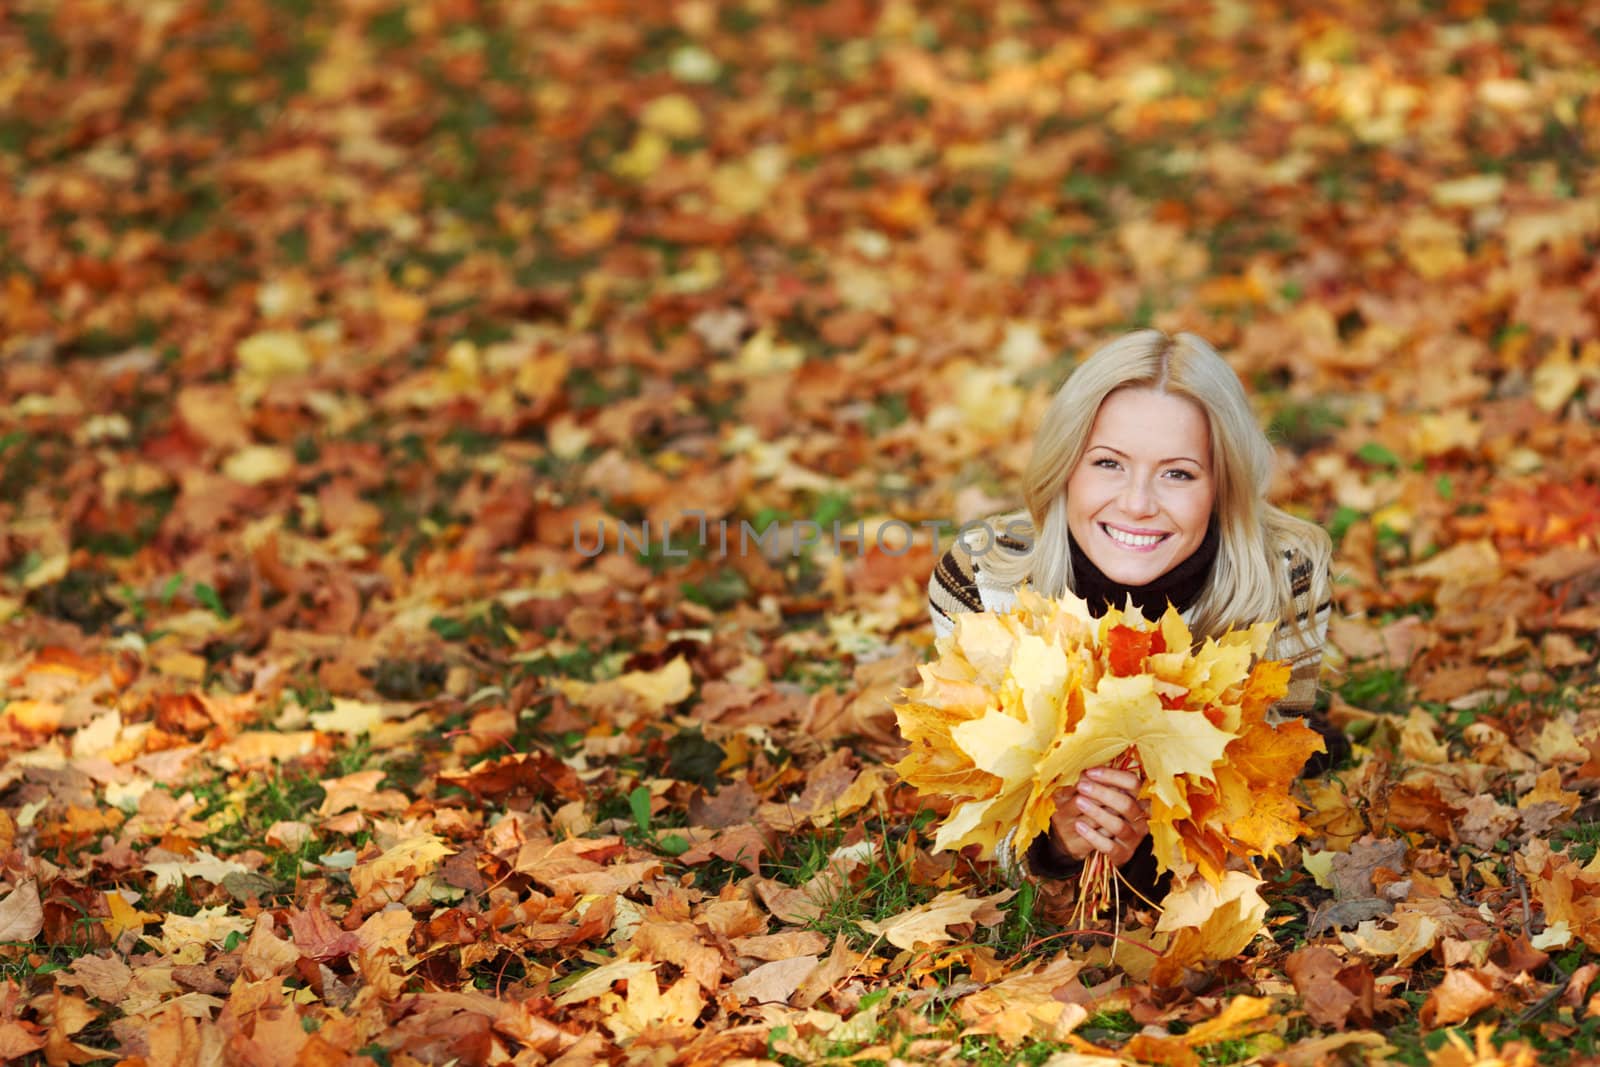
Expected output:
(335, 337)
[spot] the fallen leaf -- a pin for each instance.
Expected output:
(124, 916)
(186, 939)
(775, 982)
(105, 978)
(595, 982)
(928, 924)
(1352, 871)
(679, 943)
(1209, 922)
(1332, 992)
(648, 1009)
(21, 914)
(1411, 936)
(744, 845)
(1461, 995)
(1025, 1005)
(170, 874)
(782, 946)
(395, 870)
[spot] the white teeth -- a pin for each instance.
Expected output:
(1132, 540)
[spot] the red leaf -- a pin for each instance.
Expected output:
(1128, 649)
(319, 937)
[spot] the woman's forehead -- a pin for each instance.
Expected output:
(1143, 420)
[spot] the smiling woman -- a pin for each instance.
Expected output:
(1147, 483)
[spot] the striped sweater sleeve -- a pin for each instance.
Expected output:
(1300, 645)
(952, 589)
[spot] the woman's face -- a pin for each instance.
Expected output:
(1140, 499)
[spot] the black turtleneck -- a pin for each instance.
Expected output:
(1181, 585)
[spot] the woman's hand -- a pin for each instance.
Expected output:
(1102, 812)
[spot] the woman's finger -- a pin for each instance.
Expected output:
(1095, 837)
(1117, 800)
(1134, 832)
(1103, 818)
(1115, 820)
(1065, 830)
(1127, 781)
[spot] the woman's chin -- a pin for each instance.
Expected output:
(1132, 573)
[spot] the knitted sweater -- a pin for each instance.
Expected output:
(959, 584)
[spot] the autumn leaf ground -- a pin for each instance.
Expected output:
(324, 327)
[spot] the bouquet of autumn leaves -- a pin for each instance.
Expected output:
(1018, 705)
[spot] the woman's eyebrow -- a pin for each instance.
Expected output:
(1169, 459)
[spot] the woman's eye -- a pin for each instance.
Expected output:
(1106, 464)
(1181, 475)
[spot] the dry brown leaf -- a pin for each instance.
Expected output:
(782, 946)
(775, 982)
(1462, 994)
(105, 978)
(21, 914)
(679, 943)
(1333, 992)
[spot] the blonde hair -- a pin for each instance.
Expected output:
(1249, 581)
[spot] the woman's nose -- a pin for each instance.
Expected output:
(1137, 499)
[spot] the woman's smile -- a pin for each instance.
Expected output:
(1132, 539)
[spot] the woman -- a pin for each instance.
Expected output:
(1148, 480)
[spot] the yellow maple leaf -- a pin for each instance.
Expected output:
(663, 687)
(399, 867)
(1209, 922)
(188, 938)
(1262, 764)
(1024, 1004)
(1009, 740)
(1217, 667)
(1273, 822)
(124, 916)
(945, 700)
(202, 864)
(350, 717)
(647, 1007)
(1547, 789)
(1169, 743)
(1194, 836)
(1122, 714)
